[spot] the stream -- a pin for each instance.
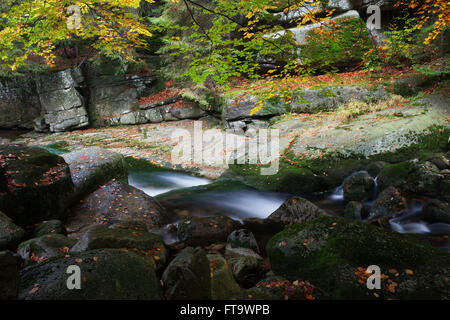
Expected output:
(244, 202)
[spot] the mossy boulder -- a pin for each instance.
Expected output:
(334, 252)
(49, 227)
(125, 235)
(107, 274)
(187, 277)
(202, 231)
(9, 276)
(47, 246)
(389, 203)
(93, 167)
(223, 285)
(114, 202)
(36, 185)
(295, 210)
(10, 234)
(359, 186)
(413, 176)
(435, 211)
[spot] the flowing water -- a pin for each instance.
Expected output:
(245, 202)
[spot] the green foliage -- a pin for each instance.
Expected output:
(342, 42)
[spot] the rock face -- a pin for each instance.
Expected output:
(8, 276)
(187, 277)
(93, 167)
(108, 275)
(113, 98)
(10, 234)
(116, 202)
(295, 210)
(303, 101)
(388, 203)
(36, 184)
(338, 6)
(247, 270)
(337, 251)
(62, 104)
(359, 186)
(19, 103)
(199, 231)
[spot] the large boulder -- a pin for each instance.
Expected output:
(10, 234)
(107, 274)
(62, 103)
(36, 185)
(413, 176)
(201, 231)
(130, 235)
(389, 203)
(435, 211)
(113, 202)
(247, 269)
(359, 186)
(9, 276)
(333, 253)
(47, 246)
(188, 277)
(93, 167)
(295, 210)
(19, 103)
(223, 285)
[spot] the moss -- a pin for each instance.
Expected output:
(337, 247)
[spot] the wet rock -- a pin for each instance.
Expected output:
(93, 167)
(223, 285)
(187, 277)
(200, 231)
(108, 274)
(358, 187)
(63, 105)
(242, 238)
(124, 235)
(9, 276)
(389, 203)
(36, 184)
(295, 210)
(247, 270)
(374, 168)
(10, 234)
(441, 162)
(349, 247)
(49, 227)
(47, 246)
(116, 202)
(436, 211)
